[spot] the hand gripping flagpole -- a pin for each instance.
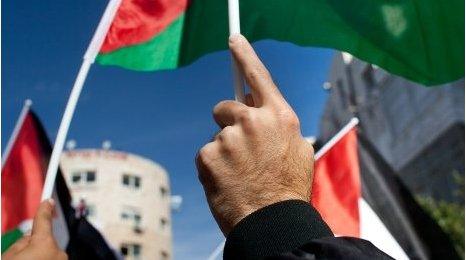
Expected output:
(88, 60)
(234, 25)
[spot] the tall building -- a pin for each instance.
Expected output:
(418, 130)
(126, 197)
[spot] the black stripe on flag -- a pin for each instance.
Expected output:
(415, 231)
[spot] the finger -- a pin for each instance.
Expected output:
(228, 112)
(257, 76)
(19, 245)
(204, 158)
(42, 225)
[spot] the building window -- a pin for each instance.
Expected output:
(130, 214)
(83, 177)
(90, 177)
(91, 212)
(131, 250)
(164, 255)
(126, 180)
(163, 223)
(137, 219)
(131, 181)
(163, 192)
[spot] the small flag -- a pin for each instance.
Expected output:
(359, 195)
(22, 182)
(421, 40)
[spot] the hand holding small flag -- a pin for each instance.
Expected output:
(41, 244)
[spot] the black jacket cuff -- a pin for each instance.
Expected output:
(275, 229)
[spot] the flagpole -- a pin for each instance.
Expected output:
(88, 60)
(235, 28)
(352, 123)
(217, 251)
(27, 105)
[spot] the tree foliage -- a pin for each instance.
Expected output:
(449, 215)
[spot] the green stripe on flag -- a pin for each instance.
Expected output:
(160, 53)
(9, 238)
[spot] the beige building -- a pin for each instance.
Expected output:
(127, 198)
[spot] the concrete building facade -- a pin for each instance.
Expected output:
(127, 199)
(418, 130)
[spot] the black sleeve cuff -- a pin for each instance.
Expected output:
(275, 229)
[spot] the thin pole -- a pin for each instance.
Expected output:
(89, 57)
(352, 123)
(235, 28)
(218, 250)
(27, 105)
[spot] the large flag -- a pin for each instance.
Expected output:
(421, 40)
(22, 181)
(359, 195)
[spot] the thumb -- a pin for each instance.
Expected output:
(42, 225)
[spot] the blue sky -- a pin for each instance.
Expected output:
(164, 116)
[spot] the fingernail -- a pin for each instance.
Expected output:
(51, 201)
(235, 38)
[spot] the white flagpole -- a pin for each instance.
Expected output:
(88, 60)
(217, 251)
(352, 123)
(234, 24)
(27, 105)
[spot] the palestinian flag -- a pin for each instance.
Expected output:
(25, 162)
(359, 195)
(421, 40)
(23, 174)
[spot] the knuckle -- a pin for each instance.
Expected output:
(289, 119)
(204, 154)
(228, 139)
(225, 135)
(294, 122)
(257, 73)
(245, 116)
(227, 132)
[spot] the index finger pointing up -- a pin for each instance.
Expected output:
(257, 76)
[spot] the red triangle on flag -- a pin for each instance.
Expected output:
(23, 175)
(337, 188)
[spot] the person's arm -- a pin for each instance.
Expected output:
(274, 229)
(257, 175)
(293, 230)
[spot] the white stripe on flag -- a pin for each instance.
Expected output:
(60, 229)
(373, 229)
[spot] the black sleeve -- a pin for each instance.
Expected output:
(292, 229)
